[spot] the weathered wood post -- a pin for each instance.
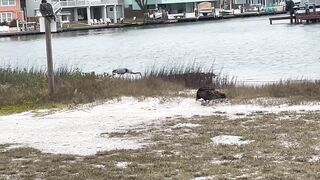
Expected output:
(49, 57)
(17, 24)
(48, 14)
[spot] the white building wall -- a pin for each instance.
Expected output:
(110, 14)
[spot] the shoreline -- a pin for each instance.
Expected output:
(26, 33)
(122, 117)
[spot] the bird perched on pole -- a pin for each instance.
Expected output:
(122, 71)
(46, 10)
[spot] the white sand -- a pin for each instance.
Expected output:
(186, 125)
(79, 131)
(205, 178)
(229, 140)
(122, 165)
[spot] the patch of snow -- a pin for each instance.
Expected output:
(6, 177)
(290, 117)
(78, 131)
(20, 159)
(100, 166)
(177, 153)
(310, 121)
(218, 162)
(189, 92)
(204, 178)
(229, 140)
(14, 146)
(286, 144)
(238, 156)
(283, 141)
(186, 125)
(282, 118)
(190, 135)
(122, 165)
(247, 176)
(314, 159)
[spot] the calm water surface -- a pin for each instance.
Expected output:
(250, 48)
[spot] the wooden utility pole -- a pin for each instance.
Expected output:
(49, 56)
(48, 15)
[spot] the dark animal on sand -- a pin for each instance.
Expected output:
(207, 94)
(122, 71)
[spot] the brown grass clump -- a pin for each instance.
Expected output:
(191, 76)
(304, 89)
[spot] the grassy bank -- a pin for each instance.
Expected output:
(283, 145)
(25, 89)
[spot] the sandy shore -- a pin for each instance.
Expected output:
(82, 131)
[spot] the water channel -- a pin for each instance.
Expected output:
(248, 48)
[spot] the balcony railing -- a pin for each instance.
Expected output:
(56, 6)
(79, 3)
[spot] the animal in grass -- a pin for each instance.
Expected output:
(208, 93)
(122, 71)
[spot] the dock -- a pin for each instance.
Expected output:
(281, 18)
(308, 16)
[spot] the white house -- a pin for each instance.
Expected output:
(81, 10)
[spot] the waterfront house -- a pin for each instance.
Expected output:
(258, 3)
(10, 10)
(182, 7)
(81, 10)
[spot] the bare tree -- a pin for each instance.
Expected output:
(143, 6)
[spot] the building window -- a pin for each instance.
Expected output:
(7, 2)
(6, 17)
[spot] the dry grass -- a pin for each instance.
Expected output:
(190, 76)
(302, 89)
(26, 89)
(285, 147)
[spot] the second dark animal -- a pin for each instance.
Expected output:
(207, 94)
